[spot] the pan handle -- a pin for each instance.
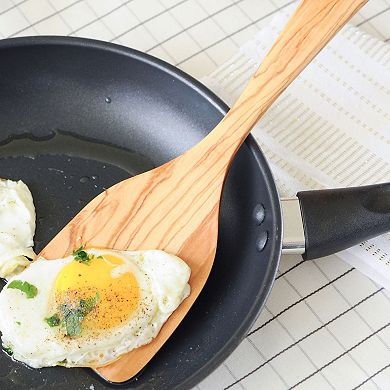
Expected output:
(319, 223)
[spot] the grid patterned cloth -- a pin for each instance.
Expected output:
(326, 326)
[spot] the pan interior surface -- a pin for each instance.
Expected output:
(77, 116)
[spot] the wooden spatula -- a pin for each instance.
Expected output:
(175, 207)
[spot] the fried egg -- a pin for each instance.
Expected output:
(17, 227)
(90, 308)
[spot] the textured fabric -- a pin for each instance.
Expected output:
(330, 128)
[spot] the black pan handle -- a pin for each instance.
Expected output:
(337, 219)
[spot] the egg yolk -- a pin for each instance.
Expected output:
(119, 295)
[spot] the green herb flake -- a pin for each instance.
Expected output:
(74, 316)
(82, 256)
(8, 351)
(87, 305)
(53, 321)
(18, 323)
(30, 290)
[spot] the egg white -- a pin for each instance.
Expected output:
(17, 227)
(163, 281)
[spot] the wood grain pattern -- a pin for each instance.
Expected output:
(175, 207)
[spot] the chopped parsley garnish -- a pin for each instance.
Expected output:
(87, 305)
(30, 290)
(74, 316)
(8, 351)
(54, 320)
(82, 256)
(71, 317)
(18, 323)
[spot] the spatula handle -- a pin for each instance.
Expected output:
(313, 24)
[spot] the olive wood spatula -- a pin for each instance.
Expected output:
(175, 207)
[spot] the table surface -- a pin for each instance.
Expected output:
(323, 327)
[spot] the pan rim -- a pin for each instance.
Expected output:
(250, 142)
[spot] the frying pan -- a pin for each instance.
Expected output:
(79, 115)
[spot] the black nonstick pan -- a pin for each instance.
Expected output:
(77, 116)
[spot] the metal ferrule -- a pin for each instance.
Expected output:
(293, 233)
